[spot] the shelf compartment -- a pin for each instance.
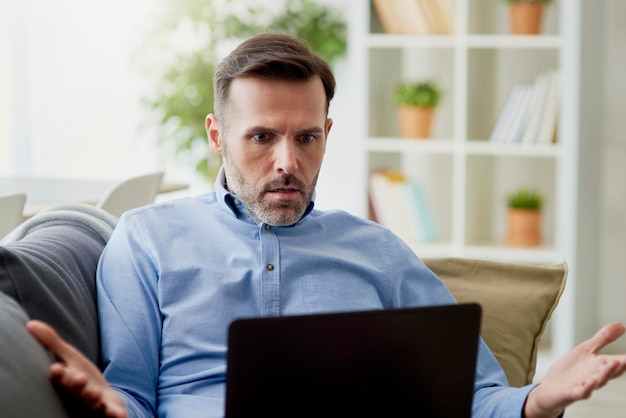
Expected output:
(489, 179)
(491, 75)
(433, 173)
(388, 67)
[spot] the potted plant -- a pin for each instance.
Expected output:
(526, 16)
(415, 103)
(524, 217)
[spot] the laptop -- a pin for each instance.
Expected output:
(417, 362)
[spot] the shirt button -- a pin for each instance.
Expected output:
(269, 267)
(267, 227)
(237, 202)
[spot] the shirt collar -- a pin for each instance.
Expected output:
(230, 202)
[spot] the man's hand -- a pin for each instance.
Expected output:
(577, 374)
(77, 374)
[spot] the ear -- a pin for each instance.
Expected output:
(214, 135)
(329, 124)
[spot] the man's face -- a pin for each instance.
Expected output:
(273, 145)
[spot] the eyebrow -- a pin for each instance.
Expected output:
(315, 130)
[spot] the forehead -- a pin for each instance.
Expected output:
(258, 95)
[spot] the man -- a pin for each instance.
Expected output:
(175, 274)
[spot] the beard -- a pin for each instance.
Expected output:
(278, 212)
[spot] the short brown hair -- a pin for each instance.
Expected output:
(270, 56)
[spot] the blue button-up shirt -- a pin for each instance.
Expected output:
(175, 274)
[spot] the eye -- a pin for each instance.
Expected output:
(307, 138)
(261, 137)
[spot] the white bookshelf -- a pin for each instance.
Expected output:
(466, 177)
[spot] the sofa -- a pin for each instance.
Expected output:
(47, 272)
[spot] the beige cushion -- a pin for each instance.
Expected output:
(517, 301)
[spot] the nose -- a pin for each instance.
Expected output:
(286, 157)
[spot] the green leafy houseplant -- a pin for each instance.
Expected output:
(525, 198)
(421, 93)
(186, 42)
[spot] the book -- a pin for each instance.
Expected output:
(420, 209)
(400, 205)
(431, 16)
(547, 125)
(381, 211)
(382, 194)
(518, 124)
(385, 9)
(447, 15)
(408, 226)
(411, 16)
(507, 114)
(536, 109)
(442, 22)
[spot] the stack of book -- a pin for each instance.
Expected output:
(530, 112)
(400, 204)
(412, 17)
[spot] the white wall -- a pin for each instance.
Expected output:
(612, 278)
(74, 91)
(6, 131)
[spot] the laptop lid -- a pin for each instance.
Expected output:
(399, 362)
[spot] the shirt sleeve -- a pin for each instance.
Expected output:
(416, 285)
(130, 320)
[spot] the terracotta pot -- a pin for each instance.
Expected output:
(526, 18)
(524, 227)
(415, 121)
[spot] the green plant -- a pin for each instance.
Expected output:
(180, 53)
(422, 93)
(525, 198)
(529, 1)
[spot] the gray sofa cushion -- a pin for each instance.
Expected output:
(48, 266)
(26, 390)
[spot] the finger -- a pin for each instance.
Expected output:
(93, 397)
(618, 366)
(72, 380)
(605, 336)
(609, 368)
(50, 339)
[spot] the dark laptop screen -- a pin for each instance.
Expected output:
(387, 363)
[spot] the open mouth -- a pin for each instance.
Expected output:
(284, 193)
(287, 188)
